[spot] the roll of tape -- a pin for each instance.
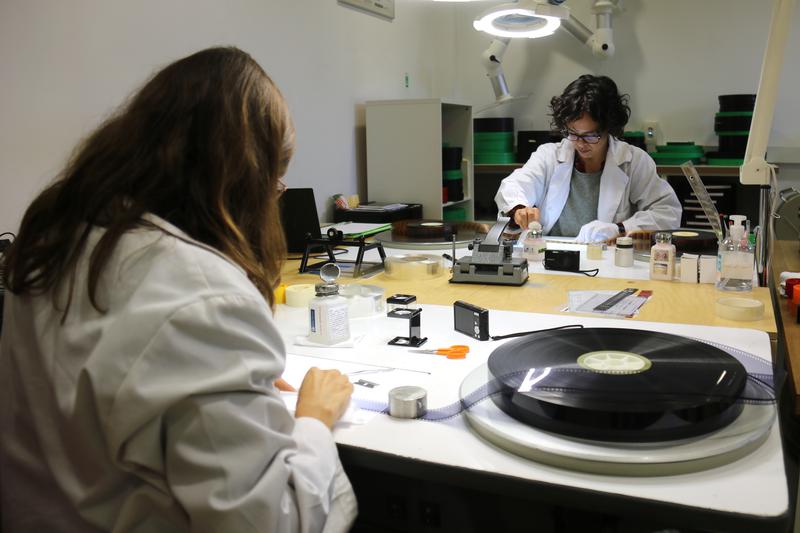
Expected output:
(408, 402)
(414, 266)
(736, 308)
(299, 295)
(363, 300)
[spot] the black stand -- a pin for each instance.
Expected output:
(331, 242)
(414, 317)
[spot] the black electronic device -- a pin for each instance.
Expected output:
(471, 320)
(299, 219)
(566, 260)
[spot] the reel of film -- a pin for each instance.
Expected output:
(414, 266)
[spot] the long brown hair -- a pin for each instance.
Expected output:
(203, 145)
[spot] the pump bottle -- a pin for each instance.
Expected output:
(533, 242)
(736, 258)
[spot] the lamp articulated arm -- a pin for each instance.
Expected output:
(601, 41)
(492, 61)
(755, 170)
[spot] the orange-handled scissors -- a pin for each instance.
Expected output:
(456, 351)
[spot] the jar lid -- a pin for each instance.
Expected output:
(663, 236)
(624, 242)
(326, 289)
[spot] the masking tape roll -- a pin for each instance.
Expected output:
(363, 300)
(413, 266)
(299, 295)
(280, 294)
(743, 309)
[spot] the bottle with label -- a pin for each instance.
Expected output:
(623, 253)
(328, 318)
(736, 258)
(534, 243)
(662, 257)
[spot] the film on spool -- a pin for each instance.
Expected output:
(617, 384)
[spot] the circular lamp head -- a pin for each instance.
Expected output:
(525, 19)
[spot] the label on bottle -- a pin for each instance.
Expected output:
(313, 320)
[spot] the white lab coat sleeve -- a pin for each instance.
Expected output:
(230, 453)
(527, 185)
(653, 200)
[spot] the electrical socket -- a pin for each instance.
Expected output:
(652, 134)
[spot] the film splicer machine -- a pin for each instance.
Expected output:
(491, 261)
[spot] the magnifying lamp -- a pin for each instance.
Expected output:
(527, 18)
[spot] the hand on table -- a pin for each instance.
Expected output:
(324, 395)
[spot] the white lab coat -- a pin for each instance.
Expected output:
(159, 415)
(630, 190)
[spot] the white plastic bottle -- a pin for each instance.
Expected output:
(328, 319)
(736, 258)
(662, 257)
(534, 243)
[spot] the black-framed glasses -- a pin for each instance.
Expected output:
(590, 138)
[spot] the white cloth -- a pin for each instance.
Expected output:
(630, 190)
(597, 231)
(159, 415)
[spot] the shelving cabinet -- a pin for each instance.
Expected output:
(404, 152)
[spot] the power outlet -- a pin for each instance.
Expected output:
(652, 135)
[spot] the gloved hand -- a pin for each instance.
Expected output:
(597, 231)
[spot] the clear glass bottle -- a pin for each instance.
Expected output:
(534, 243)
(736, 258)
(328, 318)
(662, 257)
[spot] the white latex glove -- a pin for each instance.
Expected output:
(596, 231)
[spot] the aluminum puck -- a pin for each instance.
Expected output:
(408, 402)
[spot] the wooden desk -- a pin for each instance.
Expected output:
(786, 258)
(674, 302)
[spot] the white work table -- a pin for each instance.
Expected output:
(748, 494)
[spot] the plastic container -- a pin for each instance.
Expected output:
(533, 242)
(736, 258)
(493, 124)
(623, 253)
(733, 143)
(736, 102)
(328, 315)
(662, 258)
(451, 158)
(733, 121)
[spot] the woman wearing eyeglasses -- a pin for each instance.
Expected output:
(590, 185)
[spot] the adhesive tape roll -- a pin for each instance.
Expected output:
(413, 267)
(299, 295)
(735, 308)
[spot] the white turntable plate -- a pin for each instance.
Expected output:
(725, 445)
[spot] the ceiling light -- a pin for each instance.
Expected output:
(527, 18)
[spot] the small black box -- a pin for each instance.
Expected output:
(471, 320)
(567, 260)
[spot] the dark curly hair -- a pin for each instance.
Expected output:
(598, 97)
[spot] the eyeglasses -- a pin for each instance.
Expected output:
(590, 138)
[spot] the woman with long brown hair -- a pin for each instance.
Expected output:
(139, 355)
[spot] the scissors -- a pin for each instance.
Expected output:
(456, 351)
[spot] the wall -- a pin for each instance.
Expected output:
(65, 65)
(673, 58)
